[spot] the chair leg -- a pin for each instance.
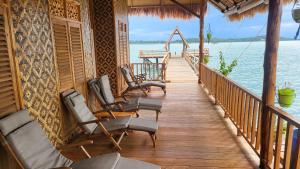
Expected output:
(165, 91)
(110, 136)
(144, 91)
(152, 135)
(137, 114)
(157, 113)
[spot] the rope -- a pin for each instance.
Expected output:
(250, 43)
(297, 33)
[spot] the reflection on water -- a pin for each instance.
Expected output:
(249, 71)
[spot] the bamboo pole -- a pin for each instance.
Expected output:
(203, 7)
(270, 65)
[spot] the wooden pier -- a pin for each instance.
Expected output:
(179, 71)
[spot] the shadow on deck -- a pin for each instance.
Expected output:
(192, 134)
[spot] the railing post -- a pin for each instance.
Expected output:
(163, 71)
(203, 8)
(269, 86)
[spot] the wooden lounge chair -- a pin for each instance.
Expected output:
(103, 92)
(25, 140)
(138, 83)
(93, 127)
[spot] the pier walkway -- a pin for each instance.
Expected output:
(193, 133)
(179, 71)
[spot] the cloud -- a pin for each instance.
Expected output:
(254, 27)
(289, 25)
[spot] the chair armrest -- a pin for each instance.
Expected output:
(89, 122)
(78, 144)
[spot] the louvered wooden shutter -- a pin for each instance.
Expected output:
(60, 29)
(77, 57)
(9, 101)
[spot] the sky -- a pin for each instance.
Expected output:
(149, 28)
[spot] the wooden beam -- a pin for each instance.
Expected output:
(269, 85)
(203, 8)
(185, 8)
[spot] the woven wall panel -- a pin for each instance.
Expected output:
(104, 36)
(87, 41)
(34, 51)
(105, 33)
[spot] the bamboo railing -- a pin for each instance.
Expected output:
(192, 57)
(245, 109)
(153, 71)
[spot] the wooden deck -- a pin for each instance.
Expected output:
(193, 133)
(179, 71)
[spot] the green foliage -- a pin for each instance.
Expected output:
(209, 37)
(206, 59)
(224, 69)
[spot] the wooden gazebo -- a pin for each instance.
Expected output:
(184, 41)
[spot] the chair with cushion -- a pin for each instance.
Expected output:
(103, 92)
(25, 140)
(93, 127)
(138, 83)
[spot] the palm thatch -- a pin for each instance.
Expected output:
(262, 8)
(165, 11)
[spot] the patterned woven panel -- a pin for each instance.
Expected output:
(73, 11)
(34, 51)
(57, 8)
(104, 36)
(87, 41)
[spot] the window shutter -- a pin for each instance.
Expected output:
(9, 101)
(77, 57)
(64, 64)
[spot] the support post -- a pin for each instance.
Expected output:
(269, 86)
(203, 8)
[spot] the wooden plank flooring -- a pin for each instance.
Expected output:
(192, 133)
(178, 70)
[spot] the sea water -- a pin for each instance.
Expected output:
(249, 71)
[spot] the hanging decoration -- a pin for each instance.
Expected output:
(286, 95)
(209, 34)
(296, 16)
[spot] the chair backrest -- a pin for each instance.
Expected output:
(126, 72)
(106, 89)
(96, 89)
(75, 103)
(29, 144)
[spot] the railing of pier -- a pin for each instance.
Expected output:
(153, 71)
(192, 57)
(245, 111)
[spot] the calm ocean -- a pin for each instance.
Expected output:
(249, 72)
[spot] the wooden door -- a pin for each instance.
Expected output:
(63, 57)
(77, 57)
(9, 97)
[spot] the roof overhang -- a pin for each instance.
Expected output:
(233, 9)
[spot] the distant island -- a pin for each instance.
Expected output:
(215, 40)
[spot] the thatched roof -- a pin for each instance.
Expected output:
(163, 8)
(233, 9)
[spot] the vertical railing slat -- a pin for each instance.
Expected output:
(278, 143)
(288, 146)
